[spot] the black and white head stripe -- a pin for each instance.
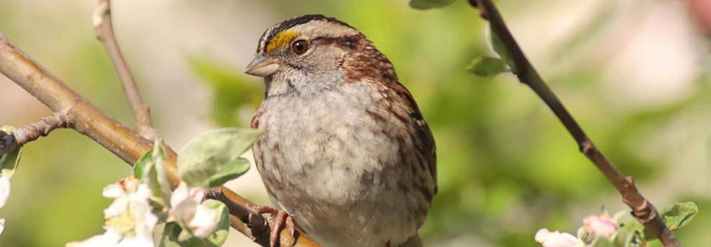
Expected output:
(268, 35)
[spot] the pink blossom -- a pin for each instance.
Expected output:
(600, 225)
(557, 239)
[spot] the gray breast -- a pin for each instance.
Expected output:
(332, 162)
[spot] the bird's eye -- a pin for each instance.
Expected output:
(299, 47)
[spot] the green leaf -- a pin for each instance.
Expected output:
(212, 158)
(154, 173)
(161, 172)
(140, 166)
(602, 242)
(185, 238)
(223, 225)
(618, 215)
(679, 214)
(498, 46)
(173, 232)
(169, 238)
(228, 172)
(428, 4)
(629, 235)
(676, 216)
(488, 66)
(9, 161)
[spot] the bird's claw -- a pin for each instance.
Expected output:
(279, 219)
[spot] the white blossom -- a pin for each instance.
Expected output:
(114, 190)
(186, 209)
(4, 195)
(108, 239)
(557, 239)
(129, 219)
(4, 190)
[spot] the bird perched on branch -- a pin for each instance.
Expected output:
(345, 150)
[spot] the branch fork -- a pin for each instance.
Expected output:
(103, 27)
(74, 111)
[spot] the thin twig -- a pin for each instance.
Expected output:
(642, 209)
(105, 32)
(21, 136)
(88, 120)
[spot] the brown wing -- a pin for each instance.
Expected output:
(423, 139)
(369, 64)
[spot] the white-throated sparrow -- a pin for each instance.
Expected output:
(345, 151)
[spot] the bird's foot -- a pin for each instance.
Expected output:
(279, 219)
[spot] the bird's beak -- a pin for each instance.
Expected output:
(262, 66)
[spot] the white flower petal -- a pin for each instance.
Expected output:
(129, 219)
(108, 239)
(557, 239)
(180, 194)
(136, 242)
(189, 213)
(198, 193)
(130, 184)
(117, 207)
(204, 222)
(144, 219)
(185, 211)
(2, 225)
(182, 204)
(143, 191)
(542, 235)
(4, 190)
(113, 191)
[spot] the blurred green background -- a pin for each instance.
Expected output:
(636, 74)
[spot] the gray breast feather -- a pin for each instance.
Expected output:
(334, 152)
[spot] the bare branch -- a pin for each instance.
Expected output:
(88, 120)
(642, 209)
(105, 32)
(21, 136)
(80, 114)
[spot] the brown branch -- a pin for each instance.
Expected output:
(642, 209)
(105, 32)
(80, 114)
(18, 137)
(256, 228)
(88, 120)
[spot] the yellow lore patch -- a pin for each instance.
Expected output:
(281, 39)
